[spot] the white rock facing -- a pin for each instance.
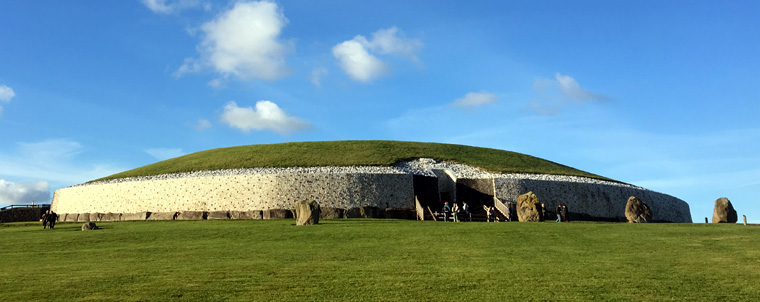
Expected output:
(345, 187)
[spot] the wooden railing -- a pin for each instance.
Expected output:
(431, 214)
(420, 210)
(501, 207)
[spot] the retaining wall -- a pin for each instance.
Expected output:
(238, 193)
(597, 199)
(591, 199)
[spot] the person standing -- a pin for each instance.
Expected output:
(559, 213)
(44, 219)
(491, 214)
(455, 210)
(446, 211)
(51, 218)
(466, 211)
(564, 213)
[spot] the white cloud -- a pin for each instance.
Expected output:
(570, 88)
(202, 124)
(190, 65)
(24, 193)
(357, 56)
(6, 94)
(169, 6)
(165, 153)
(387, 41)
(555, 94)
(215, 83)
(244, 42)
(475, 99)
(315, 77)
(359, 64)
(266, 116)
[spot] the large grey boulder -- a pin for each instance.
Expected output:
(190, 215)
(307, 212)
(70, 217)
(110, 217)
(331, 213)
(365, 212)
(134, 216)
(277, 214)
(217, 215)
(246, 214)
(529, 208)
(162, 215)
(637, 211)
(89, 226)
(83, 217)
(724, 211)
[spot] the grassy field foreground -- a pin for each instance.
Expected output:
(391, 260)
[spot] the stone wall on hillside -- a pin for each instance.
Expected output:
(238, 193)
(260, 191)
(594, 199)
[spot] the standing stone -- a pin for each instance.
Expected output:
(528, 207)
(637, 211)
(307, 212)
(724, 211)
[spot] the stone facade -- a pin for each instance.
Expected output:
(256, 195)
(237, 193)
(596, 199)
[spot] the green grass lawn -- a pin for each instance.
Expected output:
(390, 260)
(351, 153)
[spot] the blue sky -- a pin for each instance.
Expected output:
(661, 94)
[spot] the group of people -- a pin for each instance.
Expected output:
(562, 213)
(463, 213)
(457, 211)
(48, 219)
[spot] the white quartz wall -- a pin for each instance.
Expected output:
(592, 197)
(238, 193)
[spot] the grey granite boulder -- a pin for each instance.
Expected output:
(365, 212)
(89, 226)
(307, 212)
(637, 211)
(162, 215)
(277, 214)
(331, 213)
(256, 214)
(724, 211)
(134, 216)
(214, 215)
(110, 217)
(190, 215)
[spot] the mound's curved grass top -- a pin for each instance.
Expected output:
(351, 153)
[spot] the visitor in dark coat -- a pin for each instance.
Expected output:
(51, 218)
(44, 219)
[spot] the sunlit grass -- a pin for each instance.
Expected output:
(368, 260)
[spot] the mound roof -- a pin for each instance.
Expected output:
(351, 153)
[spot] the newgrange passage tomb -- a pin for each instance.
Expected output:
(349, 179)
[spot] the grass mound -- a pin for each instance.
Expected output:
(379, 260)
(351, 153)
